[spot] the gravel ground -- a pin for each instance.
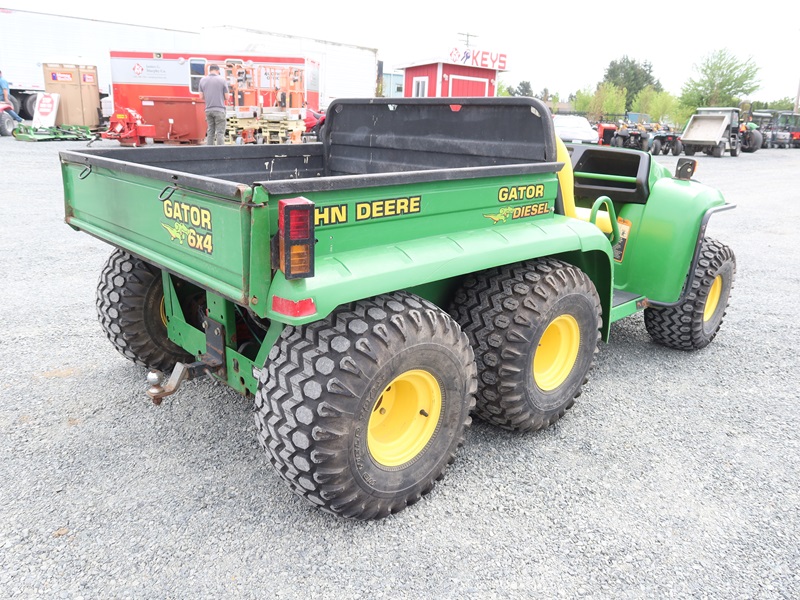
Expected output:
(675, 475)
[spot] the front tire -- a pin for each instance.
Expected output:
(130, 306)
(361, 412)
(656, 149)
(694, 323)
(535, 330)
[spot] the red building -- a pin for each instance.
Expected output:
(467, 72)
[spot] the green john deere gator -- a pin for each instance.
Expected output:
(428, 259)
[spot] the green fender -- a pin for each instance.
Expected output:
(663, 243)
(351, 276)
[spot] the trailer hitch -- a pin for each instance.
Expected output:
(212, 362)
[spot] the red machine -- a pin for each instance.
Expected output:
(175, 120)
(314, 121)
(605, 133)
(128, 127)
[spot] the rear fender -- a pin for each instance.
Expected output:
(598, 268)
(350, 276)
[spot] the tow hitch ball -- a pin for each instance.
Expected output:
(212, 362)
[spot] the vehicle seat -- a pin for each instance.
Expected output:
(566, 182)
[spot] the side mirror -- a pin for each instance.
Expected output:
(686, 168)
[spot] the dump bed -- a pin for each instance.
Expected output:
(404, 190)
(705, 129)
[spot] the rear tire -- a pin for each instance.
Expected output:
(754, 141)
(694, 323)
(15, 103)
(29, 106)
(361, 412)
(689, 150)
(534, 327)
(130, 306)
(656, 149)
(677, 148)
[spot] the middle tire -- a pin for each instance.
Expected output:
(362, 411)
(534, 327)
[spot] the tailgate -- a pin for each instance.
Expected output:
(705, 129)
(196, 227)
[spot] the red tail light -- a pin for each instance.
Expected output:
(296, 237)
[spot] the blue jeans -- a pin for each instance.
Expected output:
(13, 115)
(215, 135)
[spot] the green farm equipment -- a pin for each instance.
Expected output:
(28, 133)
(429, 259)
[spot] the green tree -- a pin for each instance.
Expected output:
(503, 89)
(632, 76)
(661, 106)
(607, 100)
(582, 100)
(723, 81)
(523, 89)
(786, 103)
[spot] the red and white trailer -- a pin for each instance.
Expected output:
(255, 81)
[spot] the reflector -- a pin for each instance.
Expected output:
(290, 308)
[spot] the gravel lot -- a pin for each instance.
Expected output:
(675, 475)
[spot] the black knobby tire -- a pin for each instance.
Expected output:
(332, 389)
(130, 308)
(754, 141)
(656, 148)
(506, 312)
(694, 323)
(677, 148)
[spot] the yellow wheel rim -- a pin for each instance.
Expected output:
(713, 298)
(557, 352)
(404, 418)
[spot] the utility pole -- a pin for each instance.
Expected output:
(797, 100)
(466, 38)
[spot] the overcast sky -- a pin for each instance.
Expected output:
(564, 46)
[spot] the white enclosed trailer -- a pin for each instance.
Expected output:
(30, 40)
